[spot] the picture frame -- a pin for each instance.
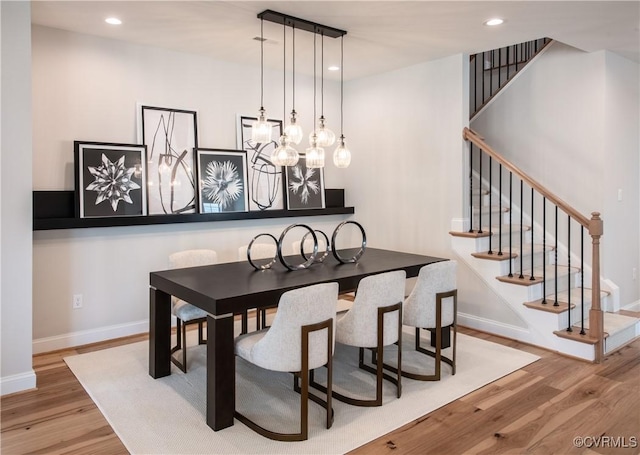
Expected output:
(222, 180)
(265, 180)
(305, 186)
(110, 179)
(171, 136)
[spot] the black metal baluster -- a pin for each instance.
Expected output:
(532, 244)
(500, 223)
(569, 329)
(544, 250)
(521, 226)
(508, 64)
(471, 188)
(483, 77)
(582, 332)
(500, 67)
(490, 202)
(480, 191)
(555, 300)
(510, 223)
(491, 91)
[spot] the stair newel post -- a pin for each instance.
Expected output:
(510, 224)
(569, 329)
(532, 278)
(582, 332)
(490, 202)
(480, 191)
(500, 202)
(555, 266)
(596, 319)
(471, 187)
(521, 227)
(544, 250)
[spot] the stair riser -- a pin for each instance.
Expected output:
(538, 259)
(483, 243)
(536, 290)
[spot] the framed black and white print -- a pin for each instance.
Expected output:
(170, 135)
(222, 180)
(305, 186)
(110, 179)
(265, 180)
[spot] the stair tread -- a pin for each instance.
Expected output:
(493, 207)
(515, 252)
(615, 322)
(505, 228)
(538, 274)
(563, 300)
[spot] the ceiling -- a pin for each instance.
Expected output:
(381, 35)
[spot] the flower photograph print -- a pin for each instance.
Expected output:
(222, 180)
(110, 179)
(170, 136)
(305, 187)
(265, 180)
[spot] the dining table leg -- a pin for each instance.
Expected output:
(221, 372)
(159, 333)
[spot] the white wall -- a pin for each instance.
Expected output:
(15, 198)
(571, 122)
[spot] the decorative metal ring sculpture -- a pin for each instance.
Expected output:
(266, 266)
(309, 260)
(359, 254)
(326, 253)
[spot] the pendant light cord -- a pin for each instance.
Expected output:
(321, 75)
(342, 85)
(293, 72)
(262, 63)
(284, 70)
(315, 79)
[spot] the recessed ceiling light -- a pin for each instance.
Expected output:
(113, 21)
(494, 21)
(333, 68)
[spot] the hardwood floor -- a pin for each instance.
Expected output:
(539, 409)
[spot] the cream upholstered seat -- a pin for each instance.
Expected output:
(258, 251)
(374, 321)
(433, 305)
(184, 312)
(300, 339)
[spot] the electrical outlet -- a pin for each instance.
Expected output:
(77, 301)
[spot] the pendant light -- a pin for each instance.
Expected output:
(294, 130)
(342, 155)
(261, 129)
(315, 153)
(325, 137)
(284, 154)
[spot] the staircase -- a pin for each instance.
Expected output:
(528, 246)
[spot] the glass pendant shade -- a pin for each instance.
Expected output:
(261, 129)
(315, 155)
(284, 154)
(293, 130)
(342, 155)
(325, 137)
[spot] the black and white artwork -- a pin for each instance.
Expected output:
(170, 135)
(265, 181)
(110, 179)
(222, 180)
(305, 186)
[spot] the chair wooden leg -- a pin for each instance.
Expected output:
(181, 344)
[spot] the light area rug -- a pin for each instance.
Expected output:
(167, 415)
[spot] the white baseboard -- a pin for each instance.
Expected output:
(18, 383)
(634, 306)
(72, 339)
(497, 328)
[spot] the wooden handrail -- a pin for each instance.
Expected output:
(475, 138)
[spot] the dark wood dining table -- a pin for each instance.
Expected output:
(224, 290)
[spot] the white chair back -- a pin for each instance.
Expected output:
(258, 251)
(280, 348)
(420, 307)
(359, 326)
(192, 258)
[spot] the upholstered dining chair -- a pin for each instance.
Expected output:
(300, 339)
(258, 251)
(184, 312)
(433, 305)
(374, 321)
